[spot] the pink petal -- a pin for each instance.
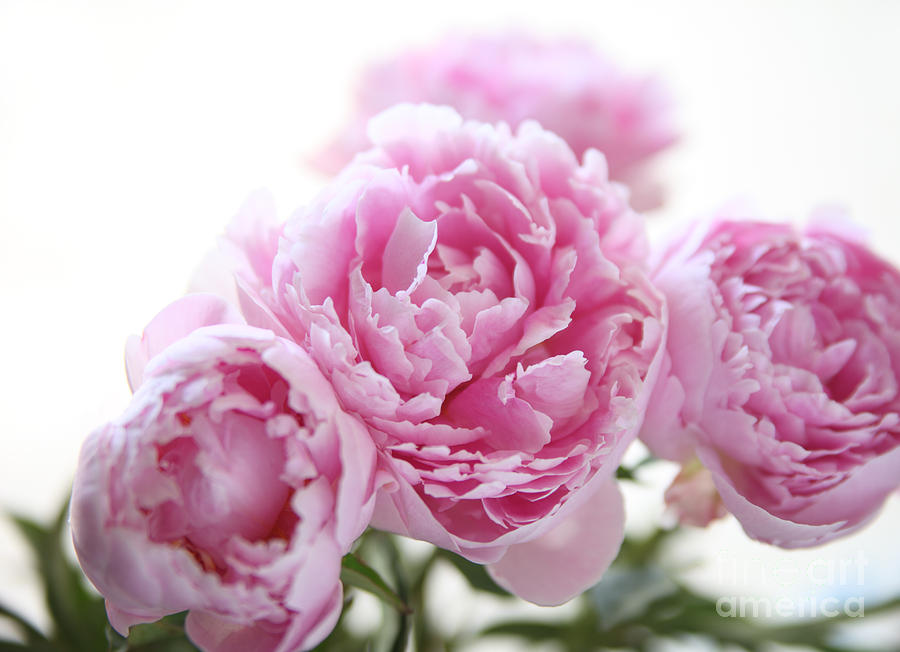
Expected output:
(570, 558)
(510, 422)
(172, 323)
(406, 253)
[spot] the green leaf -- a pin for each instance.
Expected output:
(625, 594)
(528, 629)
(115, 642)
(164, 635)
(34, 646)
(166, 628)
(476, 574)
(630, 473)
(624, 473)
(29, 631)
(171, 644)
(356, 573)
(34, 534)
(639, 552)
(79, 617)
(12, 646)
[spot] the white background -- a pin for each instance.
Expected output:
(131, 131)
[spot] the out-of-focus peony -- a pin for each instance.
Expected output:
(567, 86)
(781, 376)
(231, 487)
(478, 298)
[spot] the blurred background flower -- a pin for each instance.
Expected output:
(567, 85)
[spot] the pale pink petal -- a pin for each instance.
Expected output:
(174, 322)
(569, 558)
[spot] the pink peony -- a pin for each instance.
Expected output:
(230, 487)
(478, 298)
(566, 86)
(781, 376)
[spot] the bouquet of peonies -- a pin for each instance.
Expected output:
(456, 341)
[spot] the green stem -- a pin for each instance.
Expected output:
(402, 583)
(423, 635)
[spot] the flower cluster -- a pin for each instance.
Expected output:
(456, 341)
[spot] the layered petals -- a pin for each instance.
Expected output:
(483, 306)
(231, 487)
(781, 376)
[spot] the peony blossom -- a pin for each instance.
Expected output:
(781, 376)
(231, 487)
(478, 298)
(566, 86)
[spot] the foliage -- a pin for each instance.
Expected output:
(637, 603)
